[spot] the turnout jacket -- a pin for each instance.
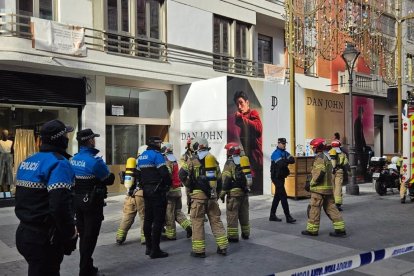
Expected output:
(321, 181)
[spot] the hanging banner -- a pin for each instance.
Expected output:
(58, 38)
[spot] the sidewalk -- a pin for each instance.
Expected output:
(372, 222)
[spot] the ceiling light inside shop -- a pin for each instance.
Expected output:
(12, 108)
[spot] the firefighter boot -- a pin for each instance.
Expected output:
(273, 217)
(290, 219)
(198, 255)
(338, 206)
(245, 236)
(189, 232)
(338, 234)
(403, 200)
(222, 251)
(307, 233)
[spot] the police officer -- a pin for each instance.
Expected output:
(91, 177)
(155, 179)
(236, 187)
(133, 204)
(279, 171)
(174, 204)
(201, 174)
(44, 203)
(321, 193)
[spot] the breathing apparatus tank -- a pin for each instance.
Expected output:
(211, 169)
(245, 165)
(130, 167)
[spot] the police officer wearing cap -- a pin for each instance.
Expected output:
(155, 179)
(91, 177)
(44, 203)
(278, 172)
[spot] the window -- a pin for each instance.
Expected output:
(264, 55)
(36, 8)
(132, 24)
(221, 42)
(409, 68)
(387, 25)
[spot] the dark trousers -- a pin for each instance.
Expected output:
(155, 208)
(88, 223)
(280, 195)
(34, 245)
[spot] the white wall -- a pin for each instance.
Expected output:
(7, 6)
(204, 111)
(189, 27)
(75, 12)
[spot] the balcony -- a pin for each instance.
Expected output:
(363, 85)
(142, 48)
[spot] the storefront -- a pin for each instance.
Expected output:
(26, 102)
(133, 113)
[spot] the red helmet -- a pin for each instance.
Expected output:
(335, 143)
(318, 144)
(232, 148)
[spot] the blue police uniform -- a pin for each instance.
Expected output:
(280, 159)
(155, 179)
(44, 207)
(91, 177)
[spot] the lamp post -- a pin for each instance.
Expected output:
(350, 55)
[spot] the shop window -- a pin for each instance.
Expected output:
(122, 142)
(133, 102)
(36, 8)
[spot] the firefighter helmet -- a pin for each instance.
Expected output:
(233, 149)
(166, 147)
(335, 143)
(200, 143)
(318, 144)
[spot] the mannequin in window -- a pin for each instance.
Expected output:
(6, 161)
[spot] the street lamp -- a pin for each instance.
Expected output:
(350, 55)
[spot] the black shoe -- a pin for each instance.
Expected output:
(289, 219)
(143, 243)
(403, 200)
(198, 255)
(338, 234)
(233, 239)
(338, 206)
(120, 241)
(189, 232)
(274, 218)
(158, 254)
(307, 233)
(147, 251)
(222, 251)
(245, 236)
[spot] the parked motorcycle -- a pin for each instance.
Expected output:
(384, 175)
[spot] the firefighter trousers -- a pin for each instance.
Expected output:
(318, 201)
(403, 190)
(237, 210)
(174, 214)
(338, 180)
(199, 208)
(132, 205)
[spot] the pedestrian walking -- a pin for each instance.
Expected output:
(278, 172)
(92, 177)
(44, 203)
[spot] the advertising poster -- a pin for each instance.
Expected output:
(363, 116)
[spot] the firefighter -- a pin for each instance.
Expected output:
(155, 180)
(236, 187)
(321, 193)
(184, 158)
(133, 204)
(174, 204)
(201, 174)
(340, 164)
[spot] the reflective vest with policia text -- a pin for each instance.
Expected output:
(321, 181)
(203, 175)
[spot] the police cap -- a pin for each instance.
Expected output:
(54, 129)
(281, 140)
(85, 134)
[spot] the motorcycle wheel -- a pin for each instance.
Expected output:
(380, 187)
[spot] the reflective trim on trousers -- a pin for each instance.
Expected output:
(198, 246)
(232, 232)
(338, 199)
(170, 232)
(222, 242)
(120, 234)
(186, 224)
(313, 228)
(339, 225)
(245, 229)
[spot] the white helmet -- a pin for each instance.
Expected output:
(200, 143)
(166, 147)
(141, 149)
(394, 160)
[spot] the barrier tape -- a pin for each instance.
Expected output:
(348, 263)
